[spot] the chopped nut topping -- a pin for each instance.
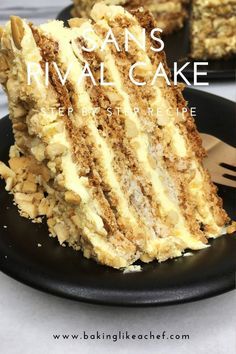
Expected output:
(72, 198)
(19, 111)
(31, 177)
(76, 220)
(27, 207)
(5, 171)
(61, 232)
(51, 222)
(231, 228)
(19, 126)
(60, 180)
(22, 197)
(45, 208)
(76, 22)
(3, 63)
(29, 187)
(55, 149)
(39, 152)
(17, 30)
(17, 164)
(9, 183)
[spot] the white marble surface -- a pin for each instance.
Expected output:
(28, 318)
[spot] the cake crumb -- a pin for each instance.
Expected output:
(39, 245)
(38, 220)
(5, 226)
(132, 269)
(188, 254)
(231, 228)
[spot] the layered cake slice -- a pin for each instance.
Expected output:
(113, 172)
(213, 27)
(170, 14)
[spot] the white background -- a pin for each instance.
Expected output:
(28, 318)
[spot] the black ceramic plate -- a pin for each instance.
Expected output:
(177, 50)
(65, 272)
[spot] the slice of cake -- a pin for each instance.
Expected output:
(170, 14)
(120, 187)
(212, 23)
(213, 27)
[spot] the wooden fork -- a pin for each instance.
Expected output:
(221, 160)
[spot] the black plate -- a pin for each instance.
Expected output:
(66, 273)
(177, 49)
